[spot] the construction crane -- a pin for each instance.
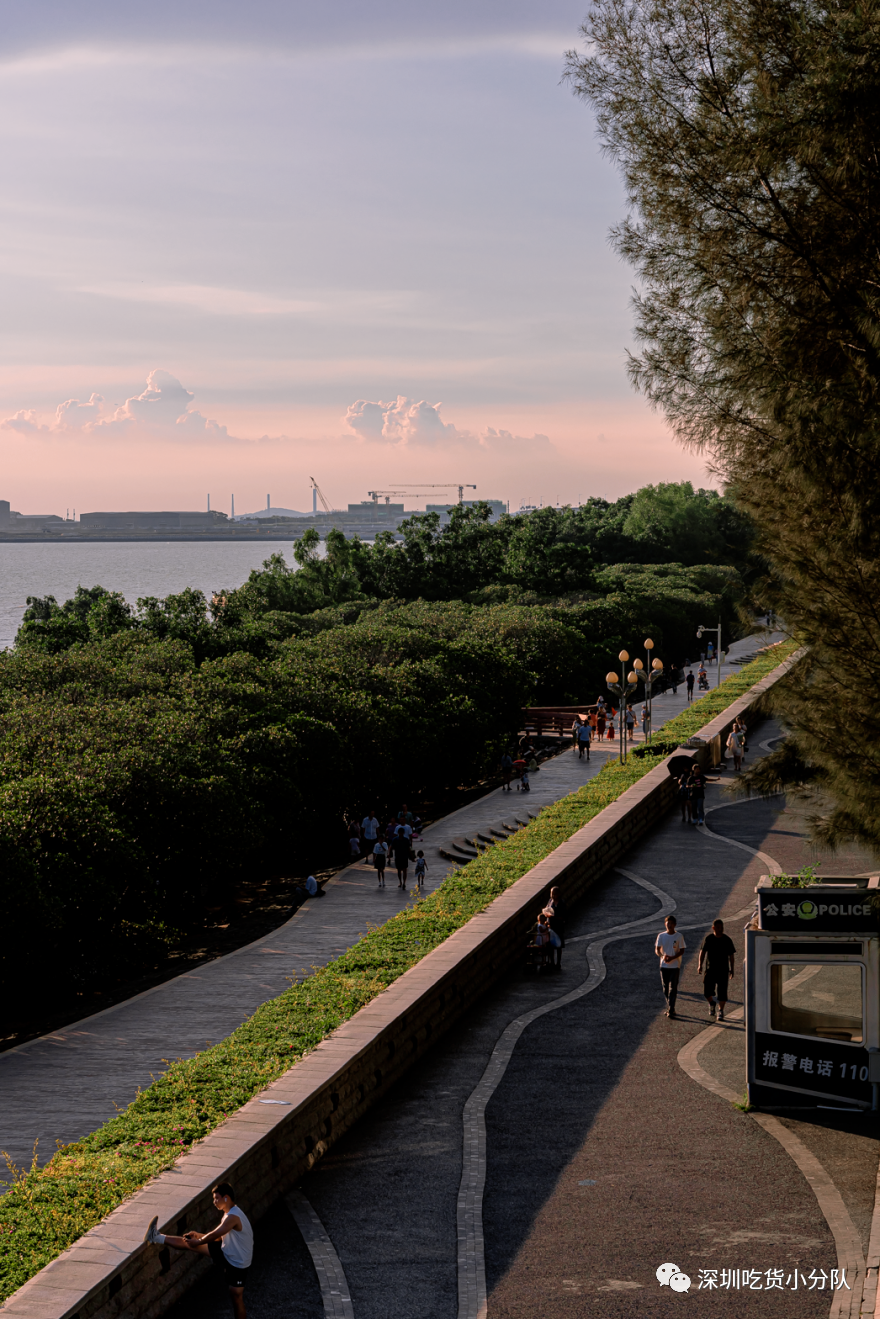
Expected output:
(320, 493)
(447, 485)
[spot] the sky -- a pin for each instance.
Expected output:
(246, 245)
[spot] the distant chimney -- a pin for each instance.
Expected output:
(4, 511)
(268, 503)
(209, 503)
(233, 505)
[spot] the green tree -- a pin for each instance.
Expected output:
(746, 133)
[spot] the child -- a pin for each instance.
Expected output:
(611, 729)
(421, 867)
(524, 779)
(230, 1244)
(380, 856)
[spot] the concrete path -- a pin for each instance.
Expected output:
(64, 1085)
(603, 1157)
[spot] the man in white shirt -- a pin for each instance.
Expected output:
(669, 948)
(370, 832)
(230, 1244)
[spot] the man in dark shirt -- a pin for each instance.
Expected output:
(716, 956)
(400, 846)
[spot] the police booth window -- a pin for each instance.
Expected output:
(824, 1000)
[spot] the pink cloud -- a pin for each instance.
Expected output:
(406, 423)
(160, 411)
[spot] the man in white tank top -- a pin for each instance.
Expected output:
(230, 1244)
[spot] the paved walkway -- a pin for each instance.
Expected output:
(66, 1084)
(603, 1157)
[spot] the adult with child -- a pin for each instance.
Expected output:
(230, 1244)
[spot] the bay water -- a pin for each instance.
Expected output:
(134, 568)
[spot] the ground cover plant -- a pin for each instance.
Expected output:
(48, 1208)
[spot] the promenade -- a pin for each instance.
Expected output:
(64, 1085)
(606, 1154)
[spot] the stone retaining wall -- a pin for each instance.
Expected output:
(265, 1148)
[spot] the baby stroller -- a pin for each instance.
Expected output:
(703, 684)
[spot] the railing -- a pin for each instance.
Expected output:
(553, 720)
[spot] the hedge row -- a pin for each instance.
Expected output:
(48, 1208)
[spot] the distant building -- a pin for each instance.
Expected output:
(497, 506)
(12, 521)
(271, 513)
(369, 508)
(165, 521)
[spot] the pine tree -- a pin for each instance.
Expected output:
(747, 133)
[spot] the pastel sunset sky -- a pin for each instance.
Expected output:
(246, 244)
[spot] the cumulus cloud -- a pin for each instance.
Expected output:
(405, 422)
(25, 422)
(400, 422)
(161, 410)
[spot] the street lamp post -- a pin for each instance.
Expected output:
(648, 677)
(717, 630)
(622, 689)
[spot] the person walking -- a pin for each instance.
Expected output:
(230, 1244)
(717, 953)
(354, 841)
(380, 857)
(697, 795)
(689, 683)
(645, 720)
(630, 723)
(575, 729)
(421, 867)
(400, 848)
(506, 771)
(584, 738)
(673, 678)
(669, 948)
(600, 722)
(684, 796)
(593, 721)
(734, 746)
(370, 831)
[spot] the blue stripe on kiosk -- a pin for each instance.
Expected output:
(813, 994)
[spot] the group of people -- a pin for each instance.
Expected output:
(715, 965)
(602, 723)
(519, 764)
(394, 841)
(548, 936)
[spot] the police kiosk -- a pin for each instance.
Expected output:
(813, 994)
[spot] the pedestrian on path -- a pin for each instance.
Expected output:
(354, 841)
(684, 797)
(669, 948)
(230, 1244)
(697, 795)
(630, 723)
(689, 683)
(593, 722)
(734, 746)
(600, 722)
(584, 737)
(575, 730)
(611, 727)
(400, 848)
(506, 771)
(645, 720)
(421, 867)
(370, 831)
(717, 952)
(380, 856)
(674, 679)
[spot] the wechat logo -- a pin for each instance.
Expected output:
(670, 1275)
(808, 911)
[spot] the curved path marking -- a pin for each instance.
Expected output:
(835, 1212)
(774, 868)
(331, 1276)
(472, 1295)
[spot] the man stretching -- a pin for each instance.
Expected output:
(230, 1244)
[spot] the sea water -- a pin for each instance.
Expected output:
(134, 568)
